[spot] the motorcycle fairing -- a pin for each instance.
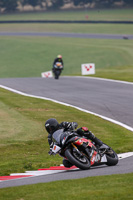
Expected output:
(58, 65)
(80, 141)
(103, 159)
(56, 148)
(93, 157)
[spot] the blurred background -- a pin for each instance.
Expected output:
(28, 54)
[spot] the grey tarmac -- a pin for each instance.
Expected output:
(68, 35)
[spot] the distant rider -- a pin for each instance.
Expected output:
(52, 125)
(58, 59)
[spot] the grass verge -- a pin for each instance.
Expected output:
(118, 187)
(29, 56)
(93, 14)
(122, 29)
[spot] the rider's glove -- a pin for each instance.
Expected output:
(50, 152)
(74, 125)
(69, 125)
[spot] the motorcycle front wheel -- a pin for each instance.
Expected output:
(57, 74)
(78, 159)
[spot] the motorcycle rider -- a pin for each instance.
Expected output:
(52, 125)
(56, 60)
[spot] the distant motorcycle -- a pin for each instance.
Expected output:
(57, 69)
(70, 146)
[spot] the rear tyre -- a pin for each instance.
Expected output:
(112, 158)
(78, 159)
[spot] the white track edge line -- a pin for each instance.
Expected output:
(102, 79)
(69, 105)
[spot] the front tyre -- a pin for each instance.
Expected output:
(57, 74)
(78, 159)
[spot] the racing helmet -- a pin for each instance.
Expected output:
(59, 56)
(51, 125)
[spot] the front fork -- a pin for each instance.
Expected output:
(87, 152)
(92, 155)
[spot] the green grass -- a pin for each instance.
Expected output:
(29, 56)
(122, 29)
(97, 14)
(23, 140)
(118, 187)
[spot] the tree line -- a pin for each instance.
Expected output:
(12, 5)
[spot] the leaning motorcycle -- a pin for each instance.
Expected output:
(71, 146)
(57, 69)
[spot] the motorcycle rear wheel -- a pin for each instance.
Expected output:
(81, 162)
(112, 158)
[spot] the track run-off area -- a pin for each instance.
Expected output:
(108, 99)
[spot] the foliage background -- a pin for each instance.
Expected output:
(13, 5)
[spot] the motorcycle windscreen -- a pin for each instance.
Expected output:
(56, 137)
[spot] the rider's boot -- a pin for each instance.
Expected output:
(97, 142)
(95, 139)
(66, 163)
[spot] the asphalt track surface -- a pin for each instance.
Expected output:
(108, 98)
(68, 35)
